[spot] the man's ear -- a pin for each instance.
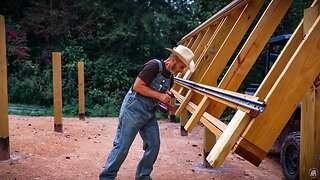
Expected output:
(175, 59)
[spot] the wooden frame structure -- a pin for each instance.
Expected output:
(250, 134)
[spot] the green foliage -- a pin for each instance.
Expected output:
(113, 39)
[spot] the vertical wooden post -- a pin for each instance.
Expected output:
(209, 141)
(172, 114)
(183, 122)
(57, 91)
(4, 124)
(81, 90)
(310, 117)
(310, 135)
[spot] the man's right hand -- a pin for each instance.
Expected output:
(164, 97)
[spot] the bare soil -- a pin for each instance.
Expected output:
(80, 152)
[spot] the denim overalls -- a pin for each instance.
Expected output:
(137, 114)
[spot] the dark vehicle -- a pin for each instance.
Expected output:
(288, 142)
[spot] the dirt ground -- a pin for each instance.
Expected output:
(80, 152)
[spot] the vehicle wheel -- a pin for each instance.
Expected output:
(290, 156)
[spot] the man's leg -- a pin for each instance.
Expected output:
(151, 144)
(126, 132)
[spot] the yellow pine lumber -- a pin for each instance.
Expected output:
(4, 120)
(228, 138)
(254, 44)
(310, 133)
(197, 114)
(184, 102)
(215, 43)
(310, 116)
(251, 50)
(231, 42)
(81, 88)
(57, 88)
(287, 92)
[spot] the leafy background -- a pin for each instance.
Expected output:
(113, 38)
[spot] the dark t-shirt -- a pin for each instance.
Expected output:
(150, 71)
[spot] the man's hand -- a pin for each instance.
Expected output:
(165, 98)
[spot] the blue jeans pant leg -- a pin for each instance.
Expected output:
(126, 132)
(151, 144)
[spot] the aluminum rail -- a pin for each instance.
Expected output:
(244, 102)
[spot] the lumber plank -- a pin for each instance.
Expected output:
(57, 91)
(254, 44)
(303, 68)
(4, 119)
(251, 50)
(204, 41)
(197, 114)
(228, 138)
(81, 93)
(197, 40)
(310, 133)
(231, 42)
(184, 102)
(310, 114)
(281, 62)
(215, 43)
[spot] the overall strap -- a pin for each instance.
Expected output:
(160, 65)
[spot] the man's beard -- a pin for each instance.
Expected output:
(173, 69)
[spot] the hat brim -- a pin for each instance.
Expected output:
(191, 64)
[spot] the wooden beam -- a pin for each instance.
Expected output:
(310, 115)
(213, 124)
(81, 90)
(4, 119)
(209, 140)
(251, 50)
(310, 135)
(183, 122)
(57, 91)
(215, 43)
(231, 42)
(191, 41)
(285, 95)
(281, 62)
(228, 138)
(254, 44)
(184, 102)
(204, 41)
(197, 40)
(197, 114)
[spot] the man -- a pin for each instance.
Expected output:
(137, 113)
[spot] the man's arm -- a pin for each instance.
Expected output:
(141, 87)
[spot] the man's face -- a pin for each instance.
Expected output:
(177, 67)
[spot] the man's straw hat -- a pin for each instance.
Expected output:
(185, 55)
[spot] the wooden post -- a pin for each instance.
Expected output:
(209, 141)
(81, 90)
(57, 91)
(183, 122)
(310, 117)
(4, 124)
(310, 135)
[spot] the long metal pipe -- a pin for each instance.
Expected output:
(242, 101)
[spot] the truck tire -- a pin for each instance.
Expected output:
(290, 156)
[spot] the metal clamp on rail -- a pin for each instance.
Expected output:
(222, 94)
